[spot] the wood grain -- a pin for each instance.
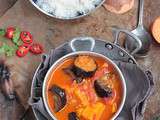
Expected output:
(52, 32)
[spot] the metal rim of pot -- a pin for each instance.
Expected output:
(66, 18)
(75, 53)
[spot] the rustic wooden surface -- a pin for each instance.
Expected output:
(51, 33)
(6, 5)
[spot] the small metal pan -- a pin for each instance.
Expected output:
(112, 51)
(93, 54)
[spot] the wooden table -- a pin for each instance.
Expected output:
(51, 33)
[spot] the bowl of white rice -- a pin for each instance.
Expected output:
(67, 9)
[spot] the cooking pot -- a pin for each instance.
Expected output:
(33, 2)
(74, 47)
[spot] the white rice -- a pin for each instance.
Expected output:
(67, 8)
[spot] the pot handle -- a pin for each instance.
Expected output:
(82, 40)
(117, 31)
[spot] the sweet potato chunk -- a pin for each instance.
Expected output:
(156, 29)
(93, 112)
(82, 97)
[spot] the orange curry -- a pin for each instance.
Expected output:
(82, 98)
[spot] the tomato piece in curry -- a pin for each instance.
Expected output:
(81, 97)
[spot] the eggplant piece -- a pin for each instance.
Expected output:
(79, 79)
(73, 116)
(69, 71)
(59, 97)
(101, 89)
(84, 66)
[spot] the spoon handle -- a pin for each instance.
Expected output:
(140, 12)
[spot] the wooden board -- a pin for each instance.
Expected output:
(52, 32)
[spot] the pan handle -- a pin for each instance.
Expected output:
(82, 41)
(117, 31)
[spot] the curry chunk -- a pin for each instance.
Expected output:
(82, 97)
(84, 66)
(93, 112)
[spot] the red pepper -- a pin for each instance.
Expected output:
(36, 48)
(99, 73)
(22, 50)
(10, 32)
(26, 37)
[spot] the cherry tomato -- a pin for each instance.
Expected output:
(99, 73)
(22, 50)
(10, 32)
(26, 37)
(36, 48)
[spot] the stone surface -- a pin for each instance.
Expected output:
(52, 32)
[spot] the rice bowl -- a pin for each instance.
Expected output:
(66, 10)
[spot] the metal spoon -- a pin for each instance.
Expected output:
(142, 33)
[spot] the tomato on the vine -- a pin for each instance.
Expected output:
(36, 48)
(26, 37)
(18, 37)
(10, 32)
(22, 50)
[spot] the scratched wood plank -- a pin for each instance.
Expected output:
(5, 5)
(10, 110)
(51, 33)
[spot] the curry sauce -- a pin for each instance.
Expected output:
(82, 98)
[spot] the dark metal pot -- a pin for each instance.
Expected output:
(75, 53)
(73, 45)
